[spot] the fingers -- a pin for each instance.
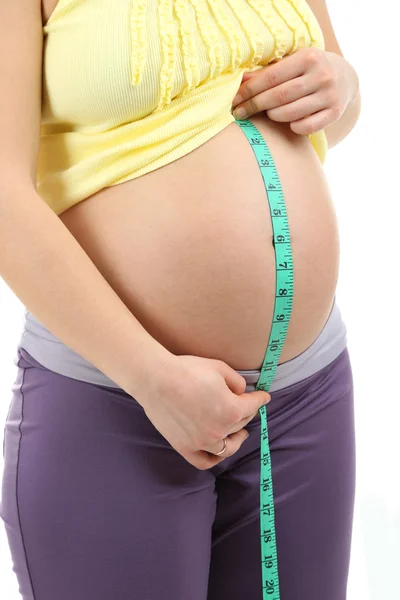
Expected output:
(242, 423)
(206, 458)
(251, 402)
(233, 443)
(235, 382)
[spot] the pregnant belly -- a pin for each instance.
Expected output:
(188, 247)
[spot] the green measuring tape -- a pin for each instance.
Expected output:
(282, 310)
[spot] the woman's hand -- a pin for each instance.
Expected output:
(310, 89)
(196, 402)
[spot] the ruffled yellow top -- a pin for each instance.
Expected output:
(131, 85)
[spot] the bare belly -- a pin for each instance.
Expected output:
(188, 247)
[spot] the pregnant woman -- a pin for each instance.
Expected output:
(136, 230)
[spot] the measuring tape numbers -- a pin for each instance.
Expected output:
(282, 311)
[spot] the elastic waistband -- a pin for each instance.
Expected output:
(53, 354)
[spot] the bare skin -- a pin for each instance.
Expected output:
(188, 247)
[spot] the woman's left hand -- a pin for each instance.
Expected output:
(310, 89)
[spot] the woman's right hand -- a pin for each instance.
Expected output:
(196, 402)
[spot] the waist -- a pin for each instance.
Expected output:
(53, 354)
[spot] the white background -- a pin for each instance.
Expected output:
(363, 174)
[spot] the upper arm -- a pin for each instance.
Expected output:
(21, 43)
(321, 13)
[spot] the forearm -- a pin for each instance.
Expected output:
(54, 278)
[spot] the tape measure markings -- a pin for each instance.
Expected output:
(284, 290)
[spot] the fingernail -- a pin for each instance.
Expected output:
(240, 113)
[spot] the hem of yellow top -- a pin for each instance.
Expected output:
(318, 141)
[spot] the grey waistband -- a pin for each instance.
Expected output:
(53, 354)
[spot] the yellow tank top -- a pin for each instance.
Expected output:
(132, 85)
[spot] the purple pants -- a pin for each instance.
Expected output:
(98, 506)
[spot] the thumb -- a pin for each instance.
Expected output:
(255, 400)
